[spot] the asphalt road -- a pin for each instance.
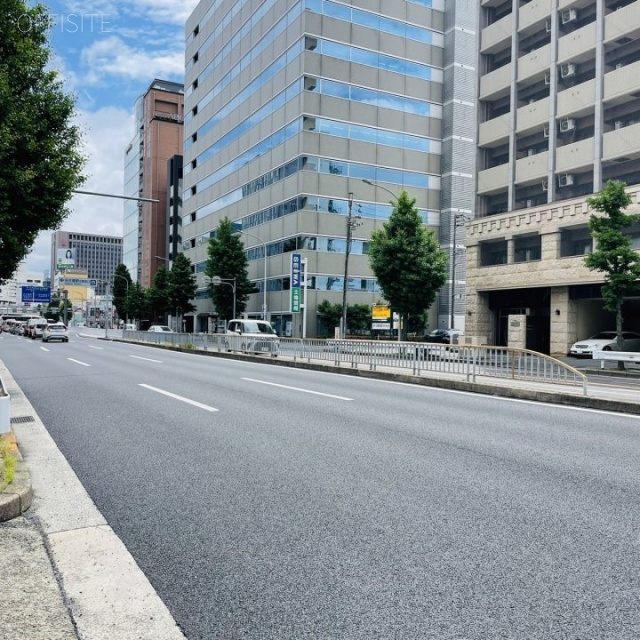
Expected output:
(295, 504)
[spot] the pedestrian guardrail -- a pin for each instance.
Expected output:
(470, 362)
(616, 356)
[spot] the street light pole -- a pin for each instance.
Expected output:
(216, 281)
(345, 284)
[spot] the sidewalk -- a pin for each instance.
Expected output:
(64, 574)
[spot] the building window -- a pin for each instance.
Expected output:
(493, 252)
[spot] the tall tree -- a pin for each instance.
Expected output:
(407, 261)
(40, 162)
(613, 254)
(121, 285)
(160, 295)
(182, 285)
(137, 302)
(227, 259)
(330, 315)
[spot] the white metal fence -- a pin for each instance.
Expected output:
(469, 362)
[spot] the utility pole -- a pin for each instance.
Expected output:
(458, 221)
(345, 284)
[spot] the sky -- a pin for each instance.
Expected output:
(107, 53)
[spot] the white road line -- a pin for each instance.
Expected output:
(84, 364)
(92, 346)
(181, 398)
(284, 386)
(44, 348)
(147, 359)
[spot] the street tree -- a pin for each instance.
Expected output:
(121, 285)
(182, 285)
(612, 254)
(40, 160)
(358, 319)
(160, 294)
(137, 303)
(407, 261)
(330, 315)
(227, 260)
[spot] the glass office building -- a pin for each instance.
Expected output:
(291, 105)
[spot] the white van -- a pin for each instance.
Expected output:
(252, 336)
(35, 328)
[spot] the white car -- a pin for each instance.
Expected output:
(56, 331)
(605, 341)
(160, 328)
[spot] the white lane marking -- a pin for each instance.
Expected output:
(284, 386)
(84, 364)
(92, 346)
(206, 407)
(147, 359)
(44, 348)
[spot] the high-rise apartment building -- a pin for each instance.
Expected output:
(558, 116)
(158, 137)
(291, 104)
(96, 255)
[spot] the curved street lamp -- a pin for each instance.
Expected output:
(216, 281)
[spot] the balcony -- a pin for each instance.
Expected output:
(623, 23)
(571, 157)
(622, 82)
(577, 100)
(533, 116)
(496, 83)
(532, 168)
(496, 35)
(577, 44)
(493, 180)
(536, 62)
(494, 132)
(621, 143)
(533, 12)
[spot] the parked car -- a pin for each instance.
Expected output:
(35, 327)
(605, 341)
(443, 336)
(56, 331)
(160, 328)
(252, 336)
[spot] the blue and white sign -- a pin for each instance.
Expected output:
(296, 280)
(78, 282)
(36, 294)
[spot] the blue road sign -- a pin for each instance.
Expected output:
(36, 294)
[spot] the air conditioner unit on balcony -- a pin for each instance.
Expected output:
(617, 124)
(570, 15)
(567, 70)
(545, 131)
(547, 25)
(531, 152)
(567, 125)
(565, 180)
(529, 203)
(547, 77)
(545, 185)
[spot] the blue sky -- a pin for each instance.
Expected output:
(108, 52)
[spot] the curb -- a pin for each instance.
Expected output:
(18, 496)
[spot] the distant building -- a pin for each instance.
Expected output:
(11, 290)
(86, 253)
(158, 137)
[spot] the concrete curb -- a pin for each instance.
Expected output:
(18, 496)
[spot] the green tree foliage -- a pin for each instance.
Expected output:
(227, 259)
(160, 295)
(407, 261)
(40, 163)
(182, 285)
(613, 254)
(358, 318)
(330, 316)
(137, 302)
(121, 285)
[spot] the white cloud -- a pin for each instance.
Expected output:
(112, 56)
(108, 131)
(158, 11)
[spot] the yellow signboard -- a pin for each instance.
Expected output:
(380, 312)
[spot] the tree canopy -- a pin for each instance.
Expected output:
(182, 285)
(121, 286)
(40, 162)
(613, 255)
(407, 261)
(227, 259)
